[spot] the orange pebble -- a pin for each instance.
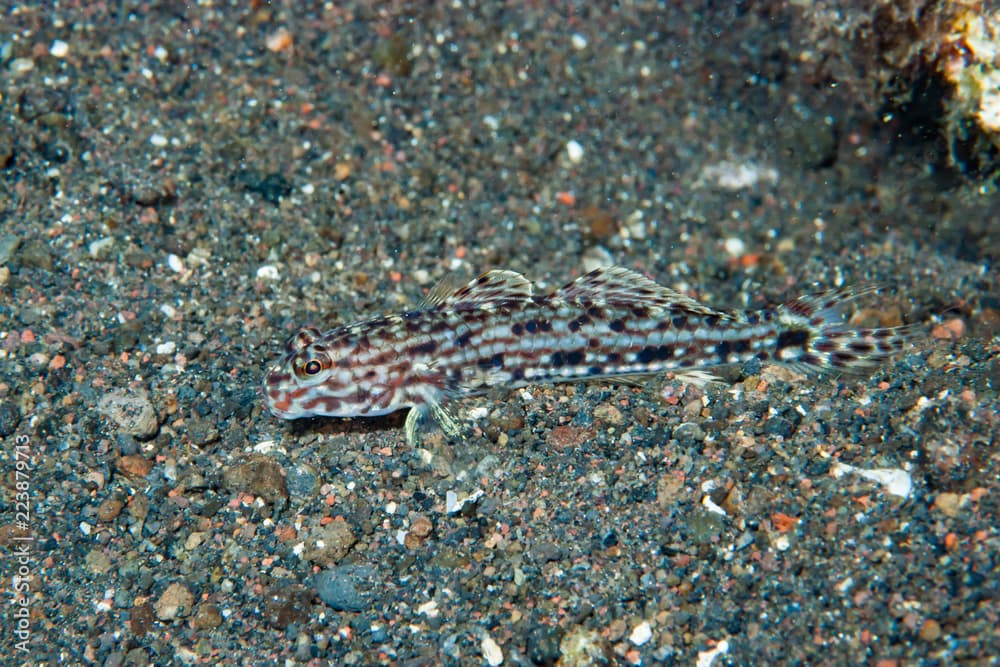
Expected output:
(950, 330)
(783, 522)
(566, 198)
(279, 40)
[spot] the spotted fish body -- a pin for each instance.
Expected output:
(496, 332)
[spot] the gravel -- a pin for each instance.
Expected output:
(182, 189)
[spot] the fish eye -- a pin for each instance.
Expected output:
(311, 365)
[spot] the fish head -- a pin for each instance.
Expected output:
(332, 375)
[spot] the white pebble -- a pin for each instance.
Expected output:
(428, 609)
(735, 247)
(712, 506)
(706, 658)
(20, 66)
(266, 447)
(166, 348)
(452, 503)
(578, 41)
(491, 651)
(641, 634)
(895, 480)
(635, 226)
(268, 272)
(104, 604)
(574, 151)
(175, 263)
(731, 175)
(59, 49)
(100, 246)
(158, 140)
(168, 310)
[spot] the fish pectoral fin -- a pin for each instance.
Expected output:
(412, 425)
(448, 423)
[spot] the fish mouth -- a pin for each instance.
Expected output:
(276, 395)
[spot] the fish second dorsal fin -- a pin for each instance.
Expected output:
(491, 287)
(617, 285)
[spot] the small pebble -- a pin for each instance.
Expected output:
(735, 247)
(609, 414)
(951, 330)
(279, 40)
(345, 588)
(59, 49)
(327, 545)
(258, 475)
(930, 630)
(176, 602)
(132, 411)
(168, 347)
(97, 561)
(574, 151)
(109, 509)
(641, 634)
(134, 466)
(492, 652)
(948, 503)
(207, 617)
(19, 66)
(268, 272)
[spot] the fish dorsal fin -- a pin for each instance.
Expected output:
(491, 287)
(616, 285)
(441, 291)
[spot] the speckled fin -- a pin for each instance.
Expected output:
(491, 287)
(440, 414)
(442, 291)
(620, 286)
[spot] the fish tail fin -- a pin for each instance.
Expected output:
(816, 337)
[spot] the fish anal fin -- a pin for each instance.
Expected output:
(697, 377)
(638, 380)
